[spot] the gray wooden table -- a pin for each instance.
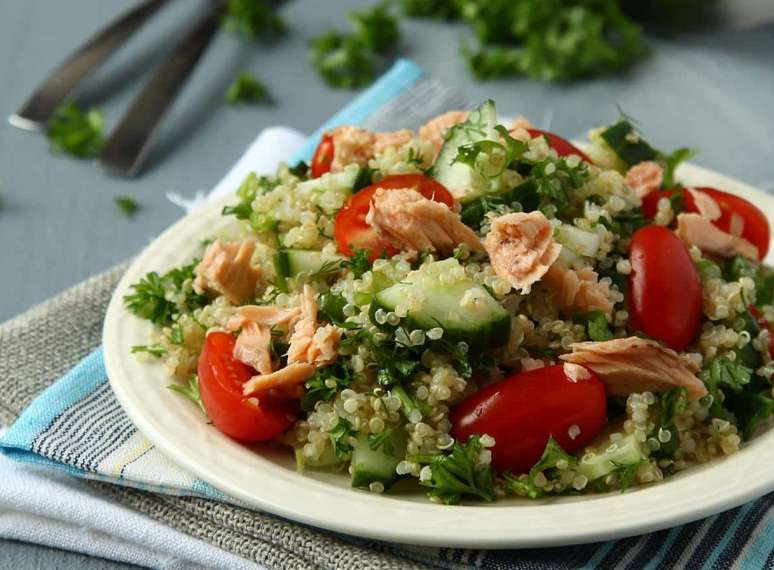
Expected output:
(58, 222)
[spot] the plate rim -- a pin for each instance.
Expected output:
(395, 530)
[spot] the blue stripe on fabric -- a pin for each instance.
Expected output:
(399, 77)
(77, 384)
(728, 534)
(663, 549)
(601, 552)
(762, 547)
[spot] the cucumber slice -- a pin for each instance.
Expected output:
(369, 465)
(464, 183)
(327, 459)
(465, 310)
(290, 263)
(596, 464)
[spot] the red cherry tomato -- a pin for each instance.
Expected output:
(563, 147)
(664, 298)
(323, 157)
(221, 377)
(353, 232)
(650, 201)
(522, 411)
(755, 225)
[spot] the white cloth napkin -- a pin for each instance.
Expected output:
(41, 506)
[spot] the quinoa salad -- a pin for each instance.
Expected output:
(483, 310)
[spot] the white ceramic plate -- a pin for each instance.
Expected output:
(266, 478)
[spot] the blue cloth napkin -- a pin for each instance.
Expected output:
(76, 425)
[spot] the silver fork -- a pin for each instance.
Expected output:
(58, 86)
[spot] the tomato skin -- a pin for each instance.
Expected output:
(756, 225)
(220, 383)
(562, 146)
(323, 157)
(353, 232)
(522, 411)
(665, 297)
(651, 200)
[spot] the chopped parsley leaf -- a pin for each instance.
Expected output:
(247, 192)
(376, 27)
(149, 299)
(246, 89)
(382, 439)
(553, 457)
(596, 326)
(339, 436)
(458, 474)
(253, 18)
(153, 349)
(127, 205)
(342, 60)
(190, 391)
(76, 133)
(325, 384)
(358, 263)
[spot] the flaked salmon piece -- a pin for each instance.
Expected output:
(577, 290)
(290, 375)
(409, 221)
(706, 204)
(308, 343)
(226, 269)
(521, 248)
(264, 315)
(694, 229)
(633, 364)
(353, 144)
(521, 123)
(253, 347)
(435, 129)
(644, 177)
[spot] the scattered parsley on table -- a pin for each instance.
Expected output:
(246, 89)
(75, 132)
(127, 205)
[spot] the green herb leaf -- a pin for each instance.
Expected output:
(672, 161)
(358, 263)
(300, 170)
(550, 40)
(364, 178)
(596, 326)
(457, 474)
(325, 384)
(553, 457)
(149, 299)
(331, 306)
(190, 391)
(252, 186)
(339, 436)
(671, 404)
(342, 60)
(253, 18)
(74, 132)
(382, 439)
(127, 205)
(176, 334)
(439, 9)
(376, 27)
(153, 349)
(246, 89)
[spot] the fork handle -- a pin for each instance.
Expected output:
(126, 148)
(39, 108)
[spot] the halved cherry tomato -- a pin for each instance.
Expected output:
(353, 232)
(755, 225)
(323, 157)
(563, 147)
(665, 297)
(221, 377)
(734, 212)
(522, 411)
